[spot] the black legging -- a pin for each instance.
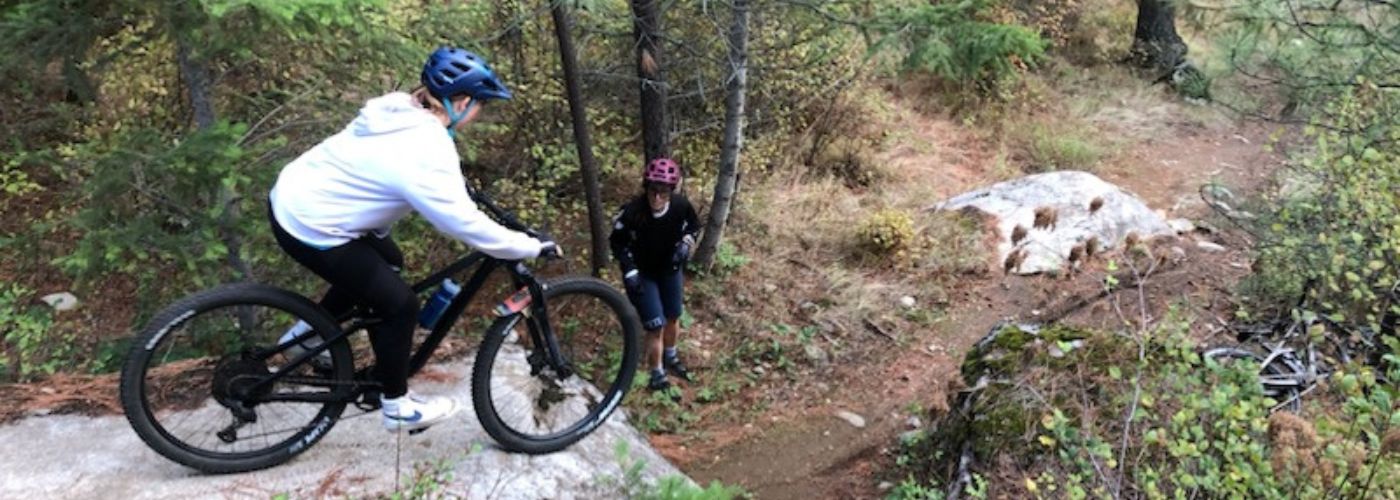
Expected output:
(365, 271)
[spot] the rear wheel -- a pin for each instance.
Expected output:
(528, 407)
(191, 386)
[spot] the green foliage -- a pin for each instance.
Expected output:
(1050, 148)
(31, 350)
(632, 485)
(14, 181)
(429, 480)
(1107, 418)
(1316, 50)
(951, 40)
(911, 489)
(1338, 228)
(728, 259)
(162, 201)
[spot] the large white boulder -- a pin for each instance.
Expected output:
(1074, 207)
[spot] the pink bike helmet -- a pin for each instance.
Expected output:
(663, 170)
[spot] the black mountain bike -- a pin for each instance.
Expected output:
(207, 385)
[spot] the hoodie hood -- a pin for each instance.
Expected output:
(391, 113)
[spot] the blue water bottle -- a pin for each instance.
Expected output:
(432, 310)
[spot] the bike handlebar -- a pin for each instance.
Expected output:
(505, 217)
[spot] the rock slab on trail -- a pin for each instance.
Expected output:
(1044, 218)
(75, 457)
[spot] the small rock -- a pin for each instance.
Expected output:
(823, 387)
(61, 301)
(856, 421)
(1181, 226)
(1178, 254)
(769, 288)
(1207, 246)
(705, 354)
(758, 370)
(906, 301)
(808, 306)
(815, 355)
(914, 422)
(885, 486)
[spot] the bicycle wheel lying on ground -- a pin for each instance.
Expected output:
(527, 407)
(190, 383)
(1278, 379)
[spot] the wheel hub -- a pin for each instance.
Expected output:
(235, 379)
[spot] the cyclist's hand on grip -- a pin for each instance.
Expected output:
(549, 249)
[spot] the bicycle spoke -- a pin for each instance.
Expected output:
(204, 401)
(538, 412)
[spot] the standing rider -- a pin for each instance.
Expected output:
(652, 237)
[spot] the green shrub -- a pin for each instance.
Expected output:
(31, 347)
(888, 232)
(1145, 417)
(1338, 228)
(1050, 148)
(955, 41)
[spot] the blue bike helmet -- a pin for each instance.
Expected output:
(452, 71)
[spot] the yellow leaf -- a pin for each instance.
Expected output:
(1031, 486)
(1048, 441)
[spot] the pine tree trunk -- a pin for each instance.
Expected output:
(569, 61)
(726, 185)
(647, 27)
(1156, 45)
(199, 87)
(195, 74)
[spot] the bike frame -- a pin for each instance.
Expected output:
(523, 279)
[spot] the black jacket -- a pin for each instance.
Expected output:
(646, 243)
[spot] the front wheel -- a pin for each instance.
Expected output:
(522, 402)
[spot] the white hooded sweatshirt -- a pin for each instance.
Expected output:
(393, 158)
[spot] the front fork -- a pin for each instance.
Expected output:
(547, 351)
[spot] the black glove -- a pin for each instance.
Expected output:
(682, 254)
(549, 249)
(632, 281)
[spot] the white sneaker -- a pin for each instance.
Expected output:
(412, 412)
(323, 359)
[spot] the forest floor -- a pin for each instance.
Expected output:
(798, 447)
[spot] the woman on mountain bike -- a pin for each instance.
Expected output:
(652, 237)
(332, 207)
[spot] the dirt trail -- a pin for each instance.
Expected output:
(808, 452)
